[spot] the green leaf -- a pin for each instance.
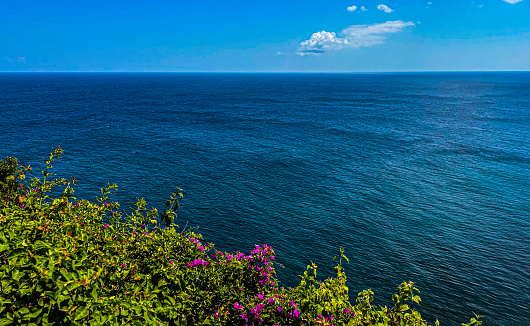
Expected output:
(81, 313)
(16, 275)
(404, 307)
(23, 311)
(417, 299)
(66, 275)
(94, 294)
(34, 313)
(5, 321)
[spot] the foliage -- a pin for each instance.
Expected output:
(10, 173)
(73, 262)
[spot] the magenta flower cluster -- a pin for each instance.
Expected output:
(322, 319)
(262, 256)
(293, 313)
(198, 243)
(198, 262)
(254, 316)
(259, 262)
(349, 312)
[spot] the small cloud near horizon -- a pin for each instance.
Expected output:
(355, 36)
(351, 8)
(386, 8)
(363, 8)
(19, 59)
(512, 1)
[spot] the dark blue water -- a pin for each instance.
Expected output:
(422, 177)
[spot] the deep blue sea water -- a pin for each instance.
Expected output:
(421, 176)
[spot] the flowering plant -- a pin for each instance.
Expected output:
(76, 262)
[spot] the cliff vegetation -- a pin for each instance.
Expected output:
(70, 261)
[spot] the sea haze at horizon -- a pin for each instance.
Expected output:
(419, 176)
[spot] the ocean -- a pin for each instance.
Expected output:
(419, 176)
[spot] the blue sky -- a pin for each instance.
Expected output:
(268, 36)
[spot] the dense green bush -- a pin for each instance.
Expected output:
(66, 261)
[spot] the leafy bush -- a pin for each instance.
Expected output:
(73, 262)
(10, 173)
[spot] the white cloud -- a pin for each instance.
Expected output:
(512, 1)
(363, 8)
(387, 9)
(355, 36)
(321, 42)
(18, 59)
(351, 8)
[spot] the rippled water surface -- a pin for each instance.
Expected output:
(422, 177)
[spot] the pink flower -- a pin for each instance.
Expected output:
(293, 314)
(198, 262)
(238, 306)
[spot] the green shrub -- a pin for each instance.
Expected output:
(73, 262)
(10, 174)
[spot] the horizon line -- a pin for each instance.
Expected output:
(268, 72)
